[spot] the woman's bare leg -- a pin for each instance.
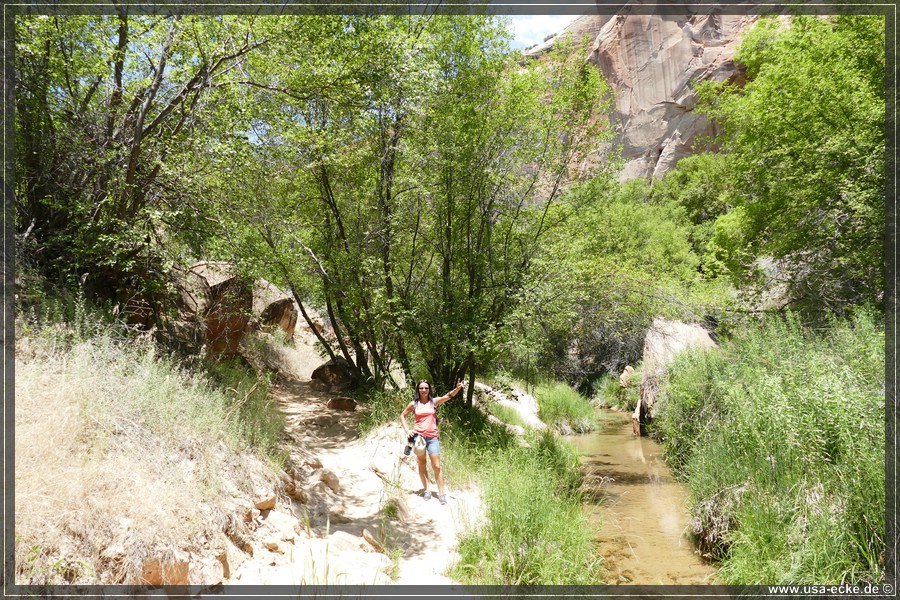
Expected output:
(423, 472)
(438, 474)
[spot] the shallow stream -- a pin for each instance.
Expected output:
(638, 510)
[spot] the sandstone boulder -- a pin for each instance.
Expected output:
(273, 309)
(162, 571)
(218, 307)
(207, 570)
(227, 316)
(337, 373)
(264, 501)
(373, 541)
(664, 340)
(231, 558)
(193, 290)
(342, 541)
(328, 477)
(524, 404)
(342, 403)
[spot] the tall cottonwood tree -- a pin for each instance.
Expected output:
(329, 99)
(418, 162)
(498, 150)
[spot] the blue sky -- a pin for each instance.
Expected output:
(532, 29)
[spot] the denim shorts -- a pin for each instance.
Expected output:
(432, 445)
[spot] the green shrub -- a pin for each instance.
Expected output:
(560, 405)
(607, 393)
(535, 532)
(792, 422)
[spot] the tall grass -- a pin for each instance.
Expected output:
(561, 406)
(252, 415)
(106, 425)
(535, 532)
(607, 393)
(506, 414)
(780, 437)
(471, 441)
(382, 407)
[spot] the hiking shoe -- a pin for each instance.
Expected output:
(428, 494)
(443, 498)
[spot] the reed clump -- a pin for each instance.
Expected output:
(534, 532)
(780, 437)
(562, 407)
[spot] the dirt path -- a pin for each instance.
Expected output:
(350, 489)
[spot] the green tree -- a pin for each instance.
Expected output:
(411, 165)
(805, 138)
(102, 105)
(498, 150)
(627, 258)
(701, 184)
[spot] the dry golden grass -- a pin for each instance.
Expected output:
(119, 458)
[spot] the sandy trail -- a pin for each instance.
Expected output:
(348, 481)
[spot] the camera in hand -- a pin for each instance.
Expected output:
(409, 444)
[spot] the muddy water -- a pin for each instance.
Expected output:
(638, 510)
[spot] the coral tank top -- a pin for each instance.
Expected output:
(426, 420)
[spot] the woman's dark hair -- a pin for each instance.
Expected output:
(416, 390)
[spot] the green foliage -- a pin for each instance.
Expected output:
(560, 405)
(700, 184)
(805, 143)
(104, 105)
(780, 436)
(394, 150)
(607, 393)
(535, 533)
(624, 259)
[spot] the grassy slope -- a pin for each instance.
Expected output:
(121, 455)
(780, 436)
(114, 449)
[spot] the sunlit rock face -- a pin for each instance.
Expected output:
(653, 62)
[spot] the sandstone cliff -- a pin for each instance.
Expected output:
(653, 62)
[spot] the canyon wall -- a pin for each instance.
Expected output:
(653, 63)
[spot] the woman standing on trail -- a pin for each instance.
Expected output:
(424, 407)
